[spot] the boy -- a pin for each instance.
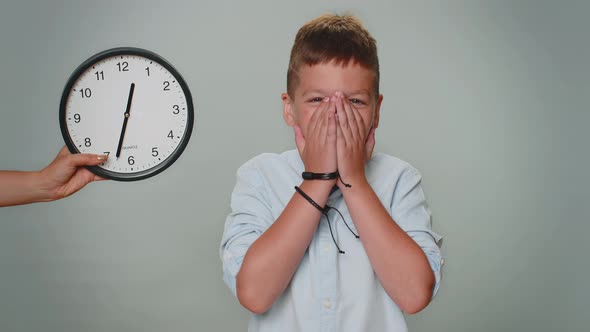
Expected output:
(347, 245)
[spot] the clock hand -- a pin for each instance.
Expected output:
(126, 114)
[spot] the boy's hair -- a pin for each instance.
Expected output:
(332, 38)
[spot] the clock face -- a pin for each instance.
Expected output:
(132, 105)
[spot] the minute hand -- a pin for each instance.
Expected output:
(126, 114)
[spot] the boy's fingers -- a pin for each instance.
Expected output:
(312, 125)
(370, 144)
(352, 121)
(343, 123)
(299, 139)
(340, 140)
(338, 130)
(331, 126)
(323, 123)
(360, 123)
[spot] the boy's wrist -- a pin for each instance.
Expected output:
(357, 184)
(319, 176)
(319, 184)
(319, 190)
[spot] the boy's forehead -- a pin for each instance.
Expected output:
(327, 78)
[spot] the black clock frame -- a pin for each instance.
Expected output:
(122, 51)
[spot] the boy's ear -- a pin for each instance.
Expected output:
(377, 108)
(288, 114)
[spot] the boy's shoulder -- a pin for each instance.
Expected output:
(384, 163)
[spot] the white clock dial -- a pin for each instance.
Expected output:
(132, 105)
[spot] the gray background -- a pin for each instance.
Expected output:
(488, 99)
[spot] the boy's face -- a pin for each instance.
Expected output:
(324, 80)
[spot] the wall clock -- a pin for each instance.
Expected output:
(131, 104)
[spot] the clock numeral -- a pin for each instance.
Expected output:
(87, 142)
(148, 70)
(170, 135)
(99, 75)
(107, 153)
(166, 86)
(155, 152)
(130, 160)
(123, 66)
(77, 118)
(86, 93)
(176, 109)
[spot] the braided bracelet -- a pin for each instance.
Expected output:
(324, 211)
(324, 176)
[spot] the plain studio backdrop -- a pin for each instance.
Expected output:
(488, 99)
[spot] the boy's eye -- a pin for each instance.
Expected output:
(315, 99)
(357, 101)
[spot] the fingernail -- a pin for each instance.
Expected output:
(327, 99)
(102, 157)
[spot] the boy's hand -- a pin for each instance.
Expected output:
(370, 144)
(318, 148)
(354, 146)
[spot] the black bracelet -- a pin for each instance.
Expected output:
(310, 200)
(324, 176)
(324, 211)
(319, 176)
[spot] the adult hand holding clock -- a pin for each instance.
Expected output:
(155, 126)
(90, 112)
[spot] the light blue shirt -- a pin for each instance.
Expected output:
(329, 291)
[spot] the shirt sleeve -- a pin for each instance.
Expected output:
(250, 216)
(411, 212)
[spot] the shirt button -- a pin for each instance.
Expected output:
(326, 247)
(327, 304)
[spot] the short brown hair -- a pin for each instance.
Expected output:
(339, 38)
